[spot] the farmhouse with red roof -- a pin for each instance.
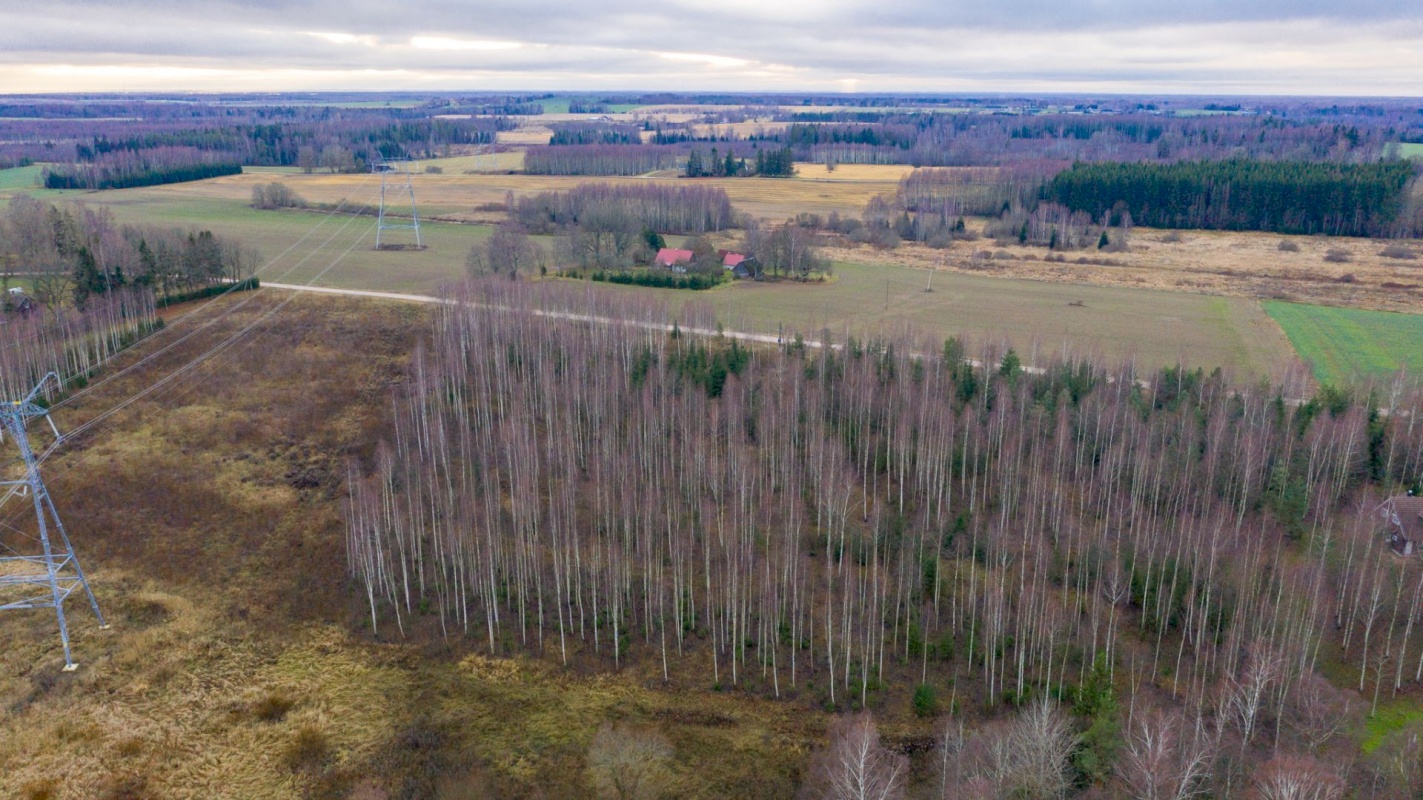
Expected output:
(673, 258)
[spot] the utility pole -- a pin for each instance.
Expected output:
(54, 572)
(396, 180)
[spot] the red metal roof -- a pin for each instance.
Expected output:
(671, 255)
(732, 259)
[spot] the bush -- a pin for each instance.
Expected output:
(273, 707)
(1172, 237)
(248, 285)
(630, 764)
(127, 787)
(940, 240)
(307, 749)
(926, 701)
(659, 280)
(1399, 251)
(1337, 255)
(276, 195)
(1287, 246)
(431, 169)
(884, 238)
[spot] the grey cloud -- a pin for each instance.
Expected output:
(914, 45)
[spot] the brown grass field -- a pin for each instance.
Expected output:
(455, 194)
(239, 665)
(1228, 263)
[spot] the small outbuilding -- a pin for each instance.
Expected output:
(740, 264)
(18, 300)
(1403, 523)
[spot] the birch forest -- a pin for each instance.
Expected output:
(584, 477)
(70, 342)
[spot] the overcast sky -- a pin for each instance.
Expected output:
(1320, 47)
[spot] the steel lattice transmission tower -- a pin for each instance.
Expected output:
(396, 183)
(45, 579)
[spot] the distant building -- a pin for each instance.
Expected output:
(673, 259)
(1403, 523)
(17, 300)
(740, 265)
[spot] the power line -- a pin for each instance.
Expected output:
(230, 309)
(61, 573)
(194, 363)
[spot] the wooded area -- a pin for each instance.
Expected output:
(1284, 196)
(69, 342)
(566, 476)
(72, 252)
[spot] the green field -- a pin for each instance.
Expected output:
(1410, 150)
(296, 246)
(1153, 328)
(1346, 345)
(20, 178)
(559, 105)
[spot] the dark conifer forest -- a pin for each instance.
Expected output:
(1282, 196)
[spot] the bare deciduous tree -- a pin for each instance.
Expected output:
(1297, 778)
(949, 764)
(1041, 744)
(1318, 711)
(507, 251)
(1026, 757)
(1166, 758)
(628, 763)
(1244, 697)
(856, 767)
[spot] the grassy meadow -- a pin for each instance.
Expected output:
(1153, 328)
(20, 178)
(1345, 345)
(1156, 327)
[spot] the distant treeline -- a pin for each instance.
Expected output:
(1010, 135)
(774, 163)
(601, 159)
(658, 207)
(307, 136)
(1283, 196)
(126, 169)
(596, 133)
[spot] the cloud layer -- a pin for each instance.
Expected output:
(1211, 46)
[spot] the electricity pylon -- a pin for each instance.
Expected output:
(391, 174)
(56, 569)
